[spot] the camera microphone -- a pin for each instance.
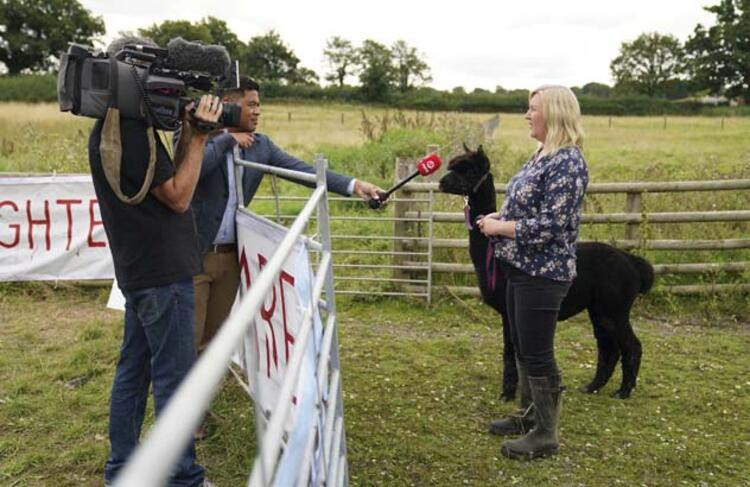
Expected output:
(194, 56)
(425, 167)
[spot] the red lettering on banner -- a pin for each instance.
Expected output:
(266, 315)
(288, 337)
(47, 222)
(14, 226)
(93, 223)
(69, 212)
(245, 268)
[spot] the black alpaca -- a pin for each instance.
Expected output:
(607, 283)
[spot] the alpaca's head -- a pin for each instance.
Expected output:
(466, 172)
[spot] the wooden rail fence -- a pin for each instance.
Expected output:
(412, 268)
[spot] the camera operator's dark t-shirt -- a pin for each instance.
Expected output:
(151, 244)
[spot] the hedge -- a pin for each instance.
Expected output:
(42, 88)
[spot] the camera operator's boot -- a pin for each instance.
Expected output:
(521, 421)
(543, 440)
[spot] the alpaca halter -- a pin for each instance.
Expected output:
(479, 183)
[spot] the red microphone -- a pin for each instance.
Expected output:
(425, 167)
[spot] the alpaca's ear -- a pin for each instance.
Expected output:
(480, 150)
(466, 147)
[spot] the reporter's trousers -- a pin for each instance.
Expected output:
(215, 291)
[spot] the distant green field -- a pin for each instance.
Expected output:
(38, 138)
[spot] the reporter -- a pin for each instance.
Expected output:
(215, 203)
(538, 225)
(155, 252)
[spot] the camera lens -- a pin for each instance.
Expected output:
(230, 115)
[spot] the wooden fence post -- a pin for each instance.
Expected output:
(633, 205)
(402, 229)
(289, 115)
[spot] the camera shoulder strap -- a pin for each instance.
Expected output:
(110, 146)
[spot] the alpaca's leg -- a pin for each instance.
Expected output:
(631, 356)
(608, 352)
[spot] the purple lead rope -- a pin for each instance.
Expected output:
(490, 263)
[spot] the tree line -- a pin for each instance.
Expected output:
(35, 32)
(713, 60)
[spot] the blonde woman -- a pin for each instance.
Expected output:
(536, 231)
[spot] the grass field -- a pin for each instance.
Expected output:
(38, 138)
(419, 388)
(420, 384)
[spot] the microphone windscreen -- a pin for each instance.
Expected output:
(429, 165)
(194, 56)
(119, 44)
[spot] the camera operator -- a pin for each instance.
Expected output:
(155, 251)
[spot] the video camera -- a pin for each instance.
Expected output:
(147, 82)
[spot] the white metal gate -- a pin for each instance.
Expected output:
(152, 462)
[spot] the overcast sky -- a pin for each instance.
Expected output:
(469, 43)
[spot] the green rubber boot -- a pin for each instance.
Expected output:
(543, 440)
(521, 421)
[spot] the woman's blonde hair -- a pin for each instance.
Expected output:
(562, 118)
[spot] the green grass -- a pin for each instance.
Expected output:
(419, 385)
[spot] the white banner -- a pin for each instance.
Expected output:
(269, 349)
(51, 229)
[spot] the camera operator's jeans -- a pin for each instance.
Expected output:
(533, 304)
(158, 346)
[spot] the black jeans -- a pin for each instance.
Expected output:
(533, 304)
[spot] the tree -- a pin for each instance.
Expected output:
(305, 76)
(34, 32)
(341, 58)
(718, 58)
(222, 35)
(596, 89)
(375, 70)
(267, 58)
(409, 66)
(209, 30)
(169, 29)
(647, 63)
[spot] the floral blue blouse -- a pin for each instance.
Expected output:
(545, 199)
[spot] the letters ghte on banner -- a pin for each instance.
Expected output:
(51, 229)
(30, 224)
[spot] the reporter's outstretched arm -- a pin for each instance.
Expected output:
(338, 183)
(177, 191)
